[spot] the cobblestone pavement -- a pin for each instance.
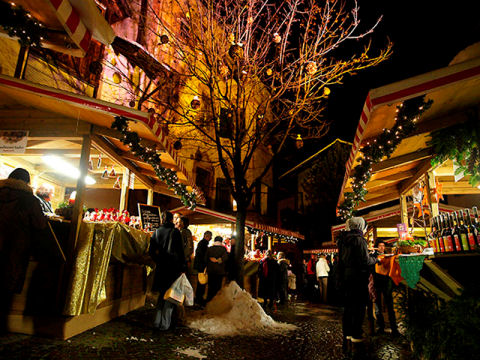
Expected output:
(131, 337)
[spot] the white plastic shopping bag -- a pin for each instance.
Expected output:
(180, 291)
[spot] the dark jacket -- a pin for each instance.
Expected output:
(187, 239)
(218, 252)
(231, 264)
(353, 259)
(166, 249)
(21, 219)
(268, 273)
(200, 261)
(283, 273)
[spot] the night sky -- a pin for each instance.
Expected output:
(426, 37)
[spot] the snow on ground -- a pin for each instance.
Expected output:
(233, 311)
(193, 352)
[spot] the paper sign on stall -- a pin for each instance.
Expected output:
(13, 141)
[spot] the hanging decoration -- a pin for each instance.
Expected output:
(90, 164)
(105, 173)
(117, 185)
(382, 146)
(112, 173)
(18, 23)
(438, 191)
(99, 161)
(460, 143)
(150, 156)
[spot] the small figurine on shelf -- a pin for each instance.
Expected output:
(117, 185)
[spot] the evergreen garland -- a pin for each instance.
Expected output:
(18, 23)
(382, 146)
(460, 143)
(150, 156)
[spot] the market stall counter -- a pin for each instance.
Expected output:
(107, 280)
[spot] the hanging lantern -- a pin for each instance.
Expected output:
(224, 70)
(235, 50)
(195, 103)
(326, 91)
(311, 68)
(177, 145)
(113, 61)
(117, 78)
(277, 38)
(231, 38)
(164, 39)
(250, 20)
(132, 103)
(117, 184)
(299, 141)
(269, 72)
(105, 173)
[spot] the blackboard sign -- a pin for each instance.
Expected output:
(149, 214)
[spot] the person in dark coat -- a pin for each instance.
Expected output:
(353, 273)
(21, 219)
(216, 258)
(166, 249)
(199, 264)
(268, 275)
(283, 265)
(231, 264)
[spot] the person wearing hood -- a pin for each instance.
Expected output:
(283, 264)
(216, 256)
(353, 272)
(21, 219)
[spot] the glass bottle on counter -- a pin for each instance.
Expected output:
(463, 232)
(476, 226)
(442, 235)
(457, 246)
(472, 241)
(433, 237)
(447, 235)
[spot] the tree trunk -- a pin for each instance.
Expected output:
(240, 243)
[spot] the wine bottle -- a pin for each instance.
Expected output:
(476, 226)
(456, 233)
(447, 236)
(463, 232)
(472, 241)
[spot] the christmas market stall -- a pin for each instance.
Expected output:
(418, 143)
(259, 237)
(73, 144)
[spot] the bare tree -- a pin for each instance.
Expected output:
(248, 75)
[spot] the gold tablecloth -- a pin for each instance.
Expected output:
(96, 243)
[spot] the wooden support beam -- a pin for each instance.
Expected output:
(80, 197)
(402, 160)
(406, 185)
(131, 157)
(115, 134)
(430, 183)
(403, 209)
(150, 197)
(110, 150)
(392, 177)
(124, 191)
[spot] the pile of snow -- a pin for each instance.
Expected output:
(233, 311)
(193, 352)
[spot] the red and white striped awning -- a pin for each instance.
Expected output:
(82, 20)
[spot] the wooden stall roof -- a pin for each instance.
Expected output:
(454, 90)
(202, 215)
(56, 121)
